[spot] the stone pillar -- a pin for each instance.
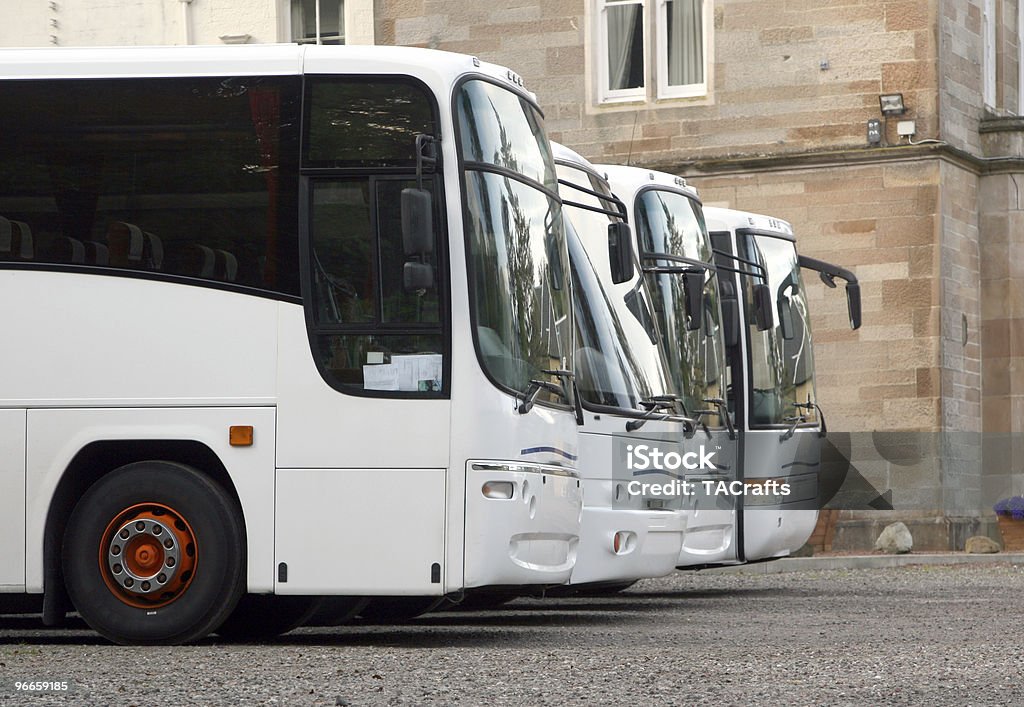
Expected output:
(1001, 202)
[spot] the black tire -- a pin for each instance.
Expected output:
(337, 611)
(202, 585)
(260, 617)
(397, 610)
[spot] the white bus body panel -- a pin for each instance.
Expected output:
(360, 531)
(653, 537)
(509, 542)
(55, 436)
(12, 500)
(318, 426)
(163, 344)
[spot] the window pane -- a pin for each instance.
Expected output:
(332, 21)
(343, 269)
(193, 177)
(781, 358)
(361, 124)
(671, 223)
(499, 127)
(519, 294)
(685, 42)
(625, 47)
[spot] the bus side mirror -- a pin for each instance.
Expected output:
(417, 222)
(417, 276)
(731, 321)
(693, 281)
(853, 303)
(762, 307)
(828, 273)
(620, 251)
(785, 307)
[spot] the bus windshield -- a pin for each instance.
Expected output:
(781, 358)
(637, 357)
(518, 262)
(608, 373)
(672, 223)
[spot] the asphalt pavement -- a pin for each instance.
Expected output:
(935, 634)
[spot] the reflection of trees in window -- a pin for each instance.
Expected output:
(505, 155)
(355, 123)
(521, 272)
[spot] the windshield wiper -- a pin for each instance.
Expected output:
(809, 405)
(652, 405)
(567, 378)
(662, 402)
(533, 390)
(801, 418)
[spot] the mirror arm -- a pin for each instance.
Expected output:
(422, 141)
(723, 412)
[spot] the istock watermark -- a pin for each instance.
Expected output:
(710, 487)
(642, 457)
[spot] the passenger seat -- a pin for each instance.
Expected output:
(131, 247)
(15, 240)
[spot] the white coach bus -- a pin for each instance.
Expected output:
(625, 387)
(233, 365)
(770, 355)
(677, 262)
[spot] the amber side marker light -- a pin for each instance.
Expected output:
(240, 435)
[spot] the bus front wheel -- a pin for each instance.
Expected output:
(154, 553)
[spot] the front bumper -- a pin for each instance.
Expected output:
(529, 538)
(649, 544)
(770, 534)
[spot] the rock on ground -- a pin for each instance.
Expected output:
(980, 545)
(895, 539)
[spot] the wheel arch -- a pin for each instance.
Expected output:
(92, 463)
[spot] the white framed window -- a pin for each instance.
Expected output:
(651, 49)
(988, 48)
(1020, 57)
(622, 49)
(318, 21)
(682, 48)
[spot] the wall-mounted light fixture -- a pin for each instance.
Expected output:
(891, 104)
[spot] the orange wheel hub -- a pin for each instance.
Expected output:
(148, 555)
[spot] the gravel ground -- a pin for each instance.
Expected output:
(923, 635)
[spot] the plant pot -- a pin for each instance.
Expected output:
(1012, 530)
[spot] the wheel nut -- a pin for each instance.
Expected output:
(170, 562)
(145, 586)
(140, 526)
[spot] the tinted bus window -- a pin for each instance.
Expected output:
(193, 177)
